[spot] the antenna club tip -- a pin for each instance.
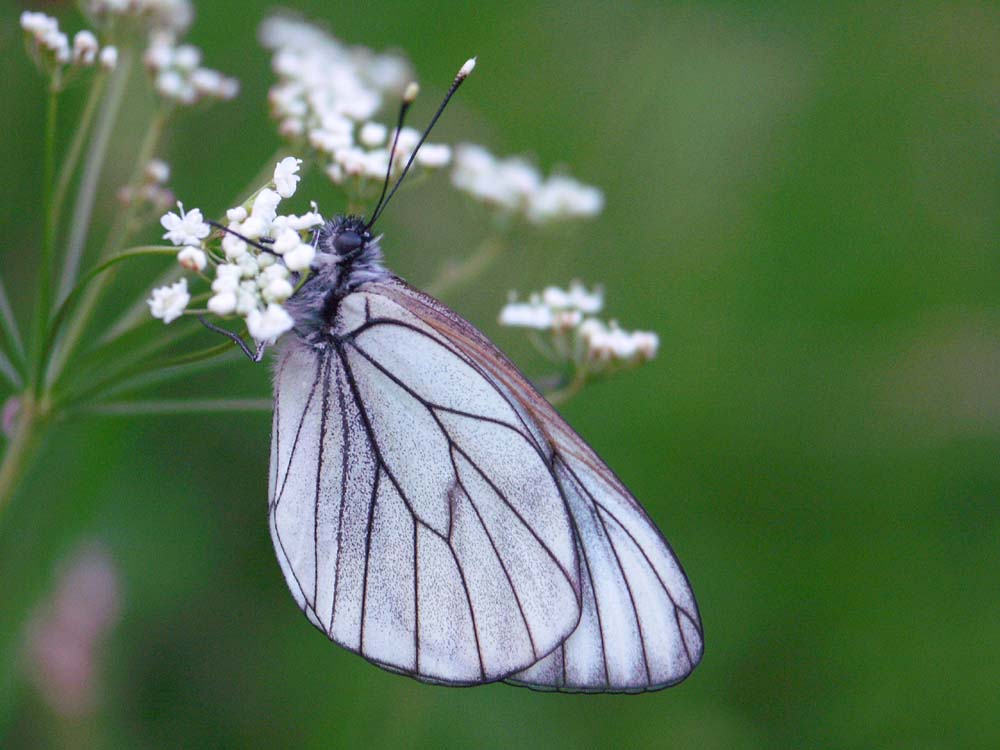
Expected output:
(410, 92)
(464, 71)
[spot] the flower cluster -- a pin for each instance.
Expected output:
(513, 186)
(589, 345)
(554, 308)
(178, 75)
(167, 15)
(326, 96)
(257, 263)
(51, 48)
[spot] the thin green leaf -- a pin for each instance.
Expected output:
(70, 301)
(9, 324)
(182, 406)
(10, 372)
(134, 385)
(97, 389)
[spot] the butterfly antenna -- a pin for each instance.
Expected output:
(463, 73)
(408, 98)
(237, 235)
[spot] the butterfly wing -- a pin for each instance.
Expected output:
(414, 515)
(639, 628)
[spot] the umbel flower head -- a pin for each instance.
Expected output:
(249, 279)
(579, 342)
(327, 98)
(53, 51)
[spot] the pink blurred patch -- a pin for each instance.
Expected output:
(67, 630)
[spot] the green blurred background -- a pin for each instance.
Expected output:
(803, 201)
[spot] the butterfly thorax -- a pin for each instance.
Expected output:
(347, 256)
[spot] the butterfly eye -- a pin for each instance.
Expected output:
(347, 242)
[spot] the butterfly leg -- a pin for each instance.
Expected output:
(252, 356)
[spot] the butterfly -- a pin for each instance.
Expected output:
(432, 512)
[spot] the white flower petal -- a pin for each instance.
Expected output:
(300, 258)
(192, 258)
(168, 302)
(223, 303)
(268, 325)
(286, 177)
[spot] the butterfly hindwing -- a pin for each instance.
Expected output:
(639, 628)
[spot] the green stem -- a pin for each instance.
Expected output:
(8, 370)
(67, 305)
(86, 194)
(43, 299)
(69, 167)
(145, 366)
(562, 395)
(456, 275)
(116, 239)
(8, 324)
(182, 406)
(22, 448)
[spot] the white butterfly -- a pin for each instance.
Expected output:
(433, 513)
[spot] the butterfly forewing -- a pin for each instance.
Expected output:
(416, 518)
(639, 628)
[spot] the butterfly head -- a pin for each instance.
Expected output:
(344, 238)
(347, 254)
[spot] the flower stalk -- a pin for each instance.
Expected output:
(26, 438)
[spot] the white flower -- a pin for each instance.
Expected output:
(277, 290)
(236, 214)
(187, 57)
(265, 208)
(270, 273)
(300, 258)
(325, 88)
(434, 155)
(268, 325)
(286, 241)
(84, 47)
(108, 57)
(38, 24)
(247, 297)
(253, 228)
(286, 177)
(563, 197)
(532, 314)
(513, 185)
(249, 267)
(610, 344)
(227, 278)
(187, 229)
(157, 171)
(575, 298)
(233, 246)
(647, 344)
(178, 76)
(171, 16)
(407, 141)
(168, 302)
(299, 223)
(223, 303)
(372, 134)
(192, 258)
(586, 302)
